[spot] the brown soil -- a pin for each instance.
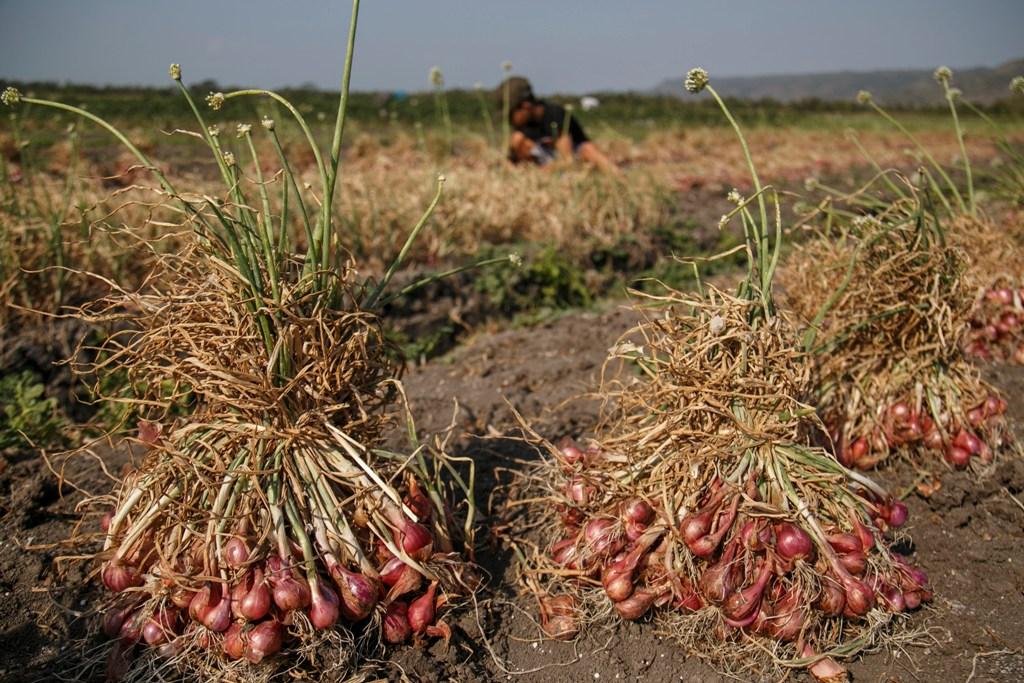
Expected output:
(968, 538)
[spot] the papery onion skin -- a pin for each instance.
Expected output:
(558, 617)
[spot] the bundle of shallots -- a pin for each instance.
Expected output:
(702, 499)
(268, 521)
(887, 302)
(265, 530)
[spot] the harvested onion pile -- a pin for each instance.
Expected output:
(703, 500)
(266, 532)
(891, 369)
(995, 253)
(997, 326)
(266, 522)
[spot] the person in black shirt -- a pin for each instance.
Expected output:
(543, 131)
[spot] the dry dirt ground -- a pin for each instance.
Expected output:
(967, 537)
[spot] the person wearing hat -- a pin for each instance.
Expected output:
(543, 131)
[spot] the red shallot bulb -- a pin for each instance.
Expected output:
(391, 571)
(792, 542)
(892, 597)
(697, 525)
(181, 597)
(564, 552)
(638, 510)
(601, 536)
(359, 593)
(706, 545)
(957, 457)
(217, 615)
(396, 623)
(744, 603)
(789, 616)
(256, 603)
(290, 592)
(967, 441)
(236, 552)
(160, 626)
(264, 641)
(898, 514)
(716, 581)
(636, 605)
(558, 617)
(859, 597)
(421, 610)
(118, 575)
(324, 607)
(933, 440)
(858, 450)
(415, 539)
(854, 562)
(114, 618)
(234, 642)
(578, 491)
(571, 453)
(171, 649)
(976, 416)
(899, 412)
(131, 628)
(199, 604)
(618, 583)
(832, 599)
(845, 543)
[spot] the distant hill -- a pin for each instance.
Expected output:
(982, 85)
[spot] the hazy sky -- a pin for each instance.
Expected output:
(562, 45)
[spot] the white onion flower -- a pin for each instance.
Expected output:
(10, 96)
(696, 80)
(215, 100)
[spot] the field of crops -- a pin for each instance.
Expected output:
(320, 387)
